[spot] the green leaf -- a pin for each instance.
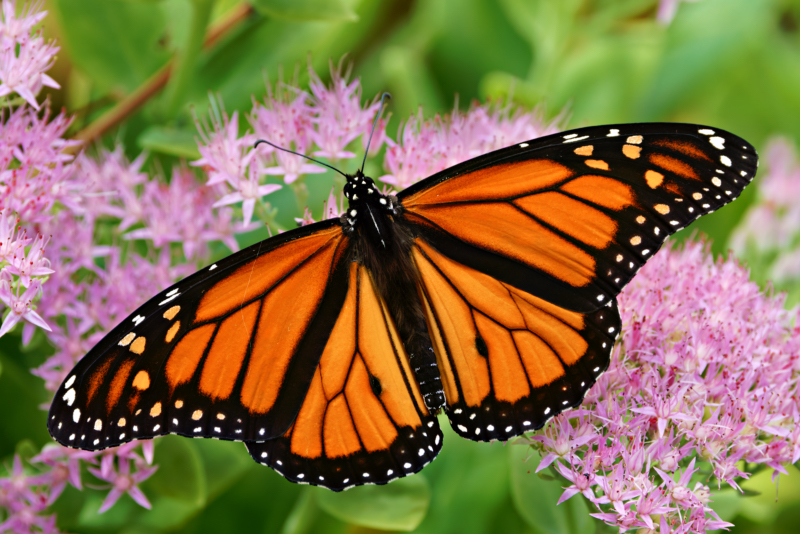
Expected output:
(178, 490)
(24, 392)
(306, 9)
(303, 515)
(536, 498)
(116, 44)
(166, 140)
(180, 472)
(469, 484)
(224, 463)
(400, 505)
(26, 449)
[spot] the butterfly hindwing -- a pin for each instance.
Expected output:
(228, 352)
(571, 217)
(363, 420)
(509, 360)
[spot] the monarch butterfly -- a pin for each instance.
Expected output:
(487, 291)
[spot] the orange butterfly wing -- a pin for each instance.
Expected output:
(509, 360)
(523, 251)
(363, 420)
(228, 352)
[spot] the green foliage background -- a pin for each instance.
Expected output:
(733, 64)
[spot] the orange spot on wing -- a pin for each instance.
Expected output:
(118, 384)
(584, 150)
(674, 165)
(571, 216)
(285, 315)
(125, 341)
(186, 355)
(97, 378)
(339, 433)
(597, 164)
(600, 190)
(172, 312)
(259, 275)
(137, 347)
(307, 435)
(224, 360)
(506, 230)
(141, 381)
(373, 425)
(634, 139)
(683, 147)
(172, 331)
(508, 375)
(498, 181)
(632, 151)
(653, 178)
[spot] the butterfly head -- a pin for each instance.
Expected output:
(364, 197)
(361, 189)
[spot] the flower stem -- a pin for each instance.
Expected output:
(131, 103)
(187, 56)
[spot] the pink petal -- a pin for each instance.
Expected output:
(112, 497)
(230, 198)
(139, 497)
(34, 318)
(9, 322)
(568, 492)
(247, 210)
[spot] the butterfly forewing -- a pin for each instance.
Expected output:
(571, 217)
(363, 420)
(228, 352)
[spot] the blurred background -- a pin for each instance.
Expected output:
(133, 72)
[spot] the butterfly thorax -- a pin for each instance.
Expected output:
(383, 245)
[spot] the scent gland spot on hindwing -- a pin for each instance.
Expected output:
(375, 384)
(480, 346)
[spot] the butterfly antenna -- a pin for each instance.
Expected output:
(298, 154)
(384, 96)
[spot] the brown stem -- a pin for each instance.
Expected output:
(128, 105)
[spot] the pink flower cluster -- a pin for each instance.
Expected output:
(34, 174)
(329, 118)
(67, 203)
(26, 493)
(429, 146)
(702, 391)
(24, 55)
(769, 235)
